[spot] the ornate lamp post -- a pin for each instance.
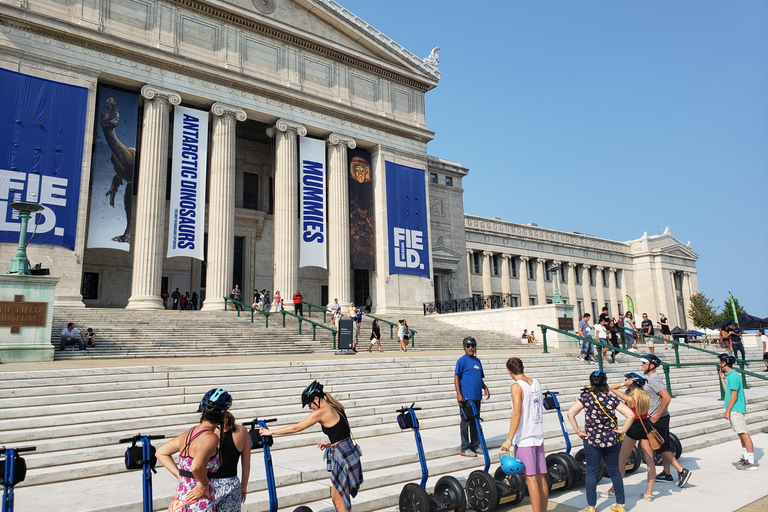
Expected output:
(556, 298)
(20, 264)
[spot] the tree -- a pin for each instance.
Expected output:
(727, 313)
(702, 312)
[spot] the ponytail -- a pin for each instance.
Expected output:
(334, 403)
(229, 422)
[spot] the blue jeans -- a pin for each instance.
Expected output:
(64, 342)
(611, 457)
(629, 339)
(587, 349)
(469, 438)
(738, 347)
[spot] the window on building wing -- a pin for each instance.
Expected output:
(448, 181)
(433, 177)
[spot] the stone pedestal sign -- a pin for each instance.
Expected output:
(26, 317)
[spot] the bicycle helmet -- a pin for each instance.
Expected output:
(310, 392)
(511, 465)
(652, 359)
(469, 341)
(727, 358)
(215, 402)
(637, 379)
(598, 378)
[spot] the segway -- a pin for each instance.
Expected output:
(486, 492)
(15, 470)
(677, 449)
(143, 458)
(265, 443)
(562, 468)
(448, 495)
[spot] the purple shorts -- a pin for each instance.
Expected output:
(533, 458)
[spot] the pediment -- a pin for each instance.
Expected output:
(329, 24)
(443, 257)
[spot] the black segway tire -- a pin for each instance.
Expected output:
(582, 460)
(559, 470)
(676, 445)
(578, 478)
(414, 499)
(515, 482)
(450, 491)
(633, 462)
(482, 493)
(302, 509)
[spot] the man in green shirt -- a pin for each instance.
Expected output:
(736, 410)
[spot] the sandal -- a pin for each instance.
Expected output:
(648, 497)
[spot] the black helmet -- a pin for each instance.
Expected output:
(469, 341)
(637, 379)
(727, 358)
(598, 378)
(652, 359)
(215, 402)
(310, 392)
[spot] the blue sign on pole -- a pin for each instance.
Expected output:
(407, 220)
(42, 126)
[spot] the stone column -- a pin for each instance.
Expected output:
(687, 301)
(572, 298)
(541, 290)
(525, 298)
(586, 296)
(469, 270)
(339, 259)
(221, 208)
(599, 289)
(505, 287)
(150, 204)
(487, 289)
(286, 239)
(612, 292)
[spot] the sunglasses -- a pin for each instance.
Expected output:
(470, 346)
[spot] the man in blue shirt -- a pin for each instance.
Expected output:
(468, 380)
(736, 410)
(736, 343)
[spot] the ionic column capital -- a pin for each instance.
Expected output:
(488, 253)
(336, 139)
(283, 125)
(573, 264)
(524, 259)
(586, 266)
(506, 255)
(152, 92)
(600, 268)
(470, 252)
(612, 270)
(541, 260)
(224, 110)
(556, 263)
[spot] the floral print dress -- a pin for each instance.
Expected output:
(597, 425)
(187, 483)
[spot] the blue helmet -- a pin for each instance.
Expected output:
(511, 465)
(637, 379)
(598, 378)
(727, 358)
(215, 402)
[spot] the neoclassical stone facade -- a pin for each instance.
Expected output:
(268, 73)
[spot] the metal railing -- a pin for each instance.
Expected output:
(284, 313)
(476, 303)
(392, 325)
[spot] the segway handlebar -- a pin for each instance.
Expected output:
(403, 409)
(139, 436)
(25, 449)
(254, 421)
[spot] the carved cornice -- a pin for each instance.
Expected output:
(152, 92)
(222, 109)
(51, 65)
(161, 64)
(285, 126)
(336, 139)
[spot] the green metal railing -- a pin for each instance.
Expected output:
(284, 313)
(392, 325)
(665, 366)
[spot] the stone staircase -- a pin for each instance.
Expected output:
(122, 333)
(76, 416)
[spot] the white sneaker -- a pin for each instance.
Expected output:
(580, 358)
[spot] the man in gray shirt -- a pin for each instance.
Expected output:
(659, 416)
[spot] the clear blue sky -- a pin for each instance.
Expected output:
(608, 118)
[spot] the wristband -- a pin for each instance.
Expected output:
(510, 442)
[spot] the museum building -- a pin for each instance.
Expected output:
(273, 144)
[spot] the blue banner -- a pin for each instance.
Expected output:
(42, 125)
(407, 220)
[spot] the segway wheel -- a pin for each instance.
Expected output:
(675, 444)
(302, 509)
(559, 470)
(633, 462)
(578, 478)
(482, 493)
(414, 499)
(450, 492)
(516, 484)
(581, 458)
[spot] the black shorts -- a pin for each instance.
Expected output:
(662, 427)
(765, 356)
(636, 430)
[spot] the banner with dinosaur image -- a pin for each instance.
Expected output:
(112, 169)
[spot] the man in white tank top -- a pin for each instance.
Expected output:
(526, 432)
